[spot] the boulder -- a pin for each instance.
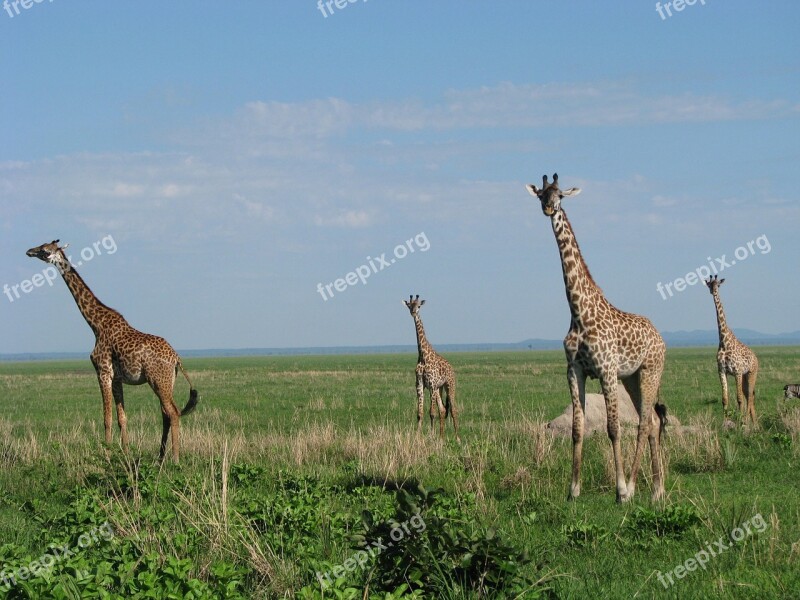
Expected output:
(595, 415)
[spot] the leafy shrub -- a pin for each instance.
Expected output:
(437, 553)
(672, 522)
(583, 534)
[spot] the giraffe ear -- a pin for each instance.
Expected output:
(721, 281)
(571, 192)
(421, 302)
(532, 190)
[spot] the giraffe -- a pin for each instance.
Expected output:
(124, 355)
(734, 358)
(608, 344)
(433, 373)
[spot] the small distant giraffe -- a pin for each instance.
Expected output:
(605, 343)
(124, 355)
(734, 358)
(433, 373)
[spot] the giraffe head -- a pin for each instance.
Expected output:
(413, 304)
(550, 196)
(51, 253)
(713, 283)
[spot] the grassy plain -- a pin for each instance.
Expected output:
(284, 454)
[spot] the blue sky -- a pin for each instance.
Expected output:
(239, 154)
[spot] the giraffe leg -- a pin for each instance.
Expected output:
(122, 419)
(450, 389)
(162, 384)
(165, 423)
(609, 385)
(740, 400)
(643, 389)
(434, 407)
(420, 399)
(723, 380)
(106, 389)
(750, 393)
(577, 389)
(436, 402)
(170, 418)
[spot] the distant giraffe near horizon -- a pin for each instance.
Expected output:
(608, 344)
(124, 355)
(433, 373)
(734, 358)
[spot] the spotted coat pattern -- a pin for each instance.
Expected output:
(734, 358)
(608, 344)
(433, 373)
(124, 355)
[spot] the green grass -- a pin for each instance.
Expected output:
(284, 454)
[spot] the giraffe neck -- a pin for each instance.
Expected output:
(725, 334)
(94, 311)
(582, 291)
(424, 348)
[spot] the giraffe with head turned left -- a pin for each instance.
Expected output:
(608, 344)
(734, 358)
(433, 373)
(124, 355)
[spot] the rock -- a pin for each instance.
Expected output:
(595, 415)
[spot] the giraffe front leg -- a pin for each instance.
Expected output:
(420, 400)
(609, 385)
(577, 389)
(122, 419)
(106, 391)
(723, 380)
(740, 401)
(436, 402)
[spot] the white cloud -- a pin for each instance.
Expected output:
(350, 218)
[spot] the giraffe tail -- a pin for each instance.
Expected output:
(193, 397)
(661, 411)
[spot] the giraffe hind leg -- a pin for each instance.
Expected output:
(122, 419)
(170, 415)
(450, 406)
(609, 385)
(750, 393)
